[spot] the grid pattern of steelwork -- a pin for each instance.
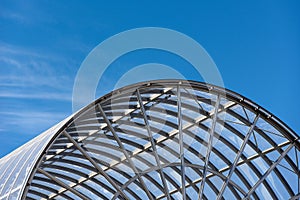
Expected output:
(169, 140)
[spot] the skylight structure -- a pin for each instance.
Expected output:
(166, 139)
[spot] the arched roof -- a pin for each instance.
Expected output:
(166, 139)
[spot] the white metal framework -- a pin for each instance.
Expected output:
(170, 139)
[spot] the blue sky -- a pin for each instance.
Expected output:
(256, 46)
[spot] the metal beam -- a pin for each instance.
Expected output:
(237, 158)
(62, 184)
(153, 145)
(160, 139)
(180, 138)
(297, 196)
(172, 134)
(86, 155)
(133, 110)
(211, 136)
(112, 130)
(268, 171)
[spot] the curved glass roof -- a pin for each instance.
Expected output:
(16, 167)
(169, 139)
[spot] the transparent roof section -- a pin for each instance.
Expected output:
(16, 167)
(166, 139)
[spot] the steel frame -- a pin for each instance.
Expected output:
(121, 147)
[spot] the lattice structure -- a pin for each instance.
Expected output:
(159, 140)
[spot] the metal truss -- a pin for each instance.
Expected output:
(167, 139)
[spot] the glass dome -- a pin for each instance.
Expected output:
(165, 139)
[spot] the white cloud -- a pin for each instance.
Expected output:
(8, 49)
(50, 96)
(11, 15)
(11, 62)
(27, 75)
(33, 114)
(29, 122)
(26, 69)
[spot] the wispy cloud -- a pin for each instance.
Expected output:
(48, 96)
(33, 114)
(18, 13)
(21, 69)
(29, 122)
(13, 50)
(62, 83)
(35, 88)
(10, 61)
(13, 15)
